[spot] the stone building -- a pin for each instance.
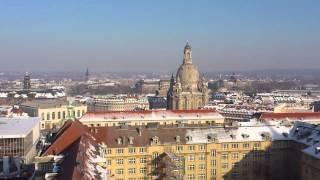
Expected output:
(188, 91)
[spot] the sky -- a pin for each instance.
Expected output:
(149, 35)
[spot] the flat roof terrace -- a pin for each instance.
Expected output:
(17, 127)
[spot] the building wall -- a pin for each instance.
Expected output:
(115, 106)
(310, 168)
(12, 147)
(201, 161)
(187, 101)
(53, 116)
(252, 160)
(19, 147)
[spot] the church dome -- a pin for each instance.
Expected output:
(188, 76)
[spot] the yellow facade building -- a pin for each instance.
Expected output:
(53, 113)
(249, 150)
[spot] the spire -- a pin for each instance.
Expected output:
(172, 78)
(87, 74)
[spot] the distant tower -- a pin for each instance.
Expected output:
(26, 82)
(170, 93)
(87, 75)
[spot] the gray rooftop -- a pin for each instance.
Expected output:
(17, 127)
(47, 103)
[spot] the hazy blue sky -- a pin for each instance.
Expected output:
(137, 35)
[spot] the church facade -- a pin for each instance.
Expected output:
(188, 91)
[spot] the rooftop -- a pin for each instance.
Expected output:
(290, 116)
(245, 131)
(47, 103)
(298, 131)
(151, 115)
(17, 127)
(79, 150)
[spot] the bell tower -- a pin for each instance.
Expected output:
(187, 57)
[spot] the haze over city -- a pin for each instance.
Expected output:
(159, 90)
(148, 36)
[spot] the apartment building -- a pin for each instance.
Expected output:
(250, 150)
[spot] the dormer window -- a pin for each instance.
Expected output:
(212, 137)
(285, 134)
(233, 136)
(119, 140)
(245, 136)
(131, 140)
(177, 139)
(266, 136)
(189, 138)
(155, 140)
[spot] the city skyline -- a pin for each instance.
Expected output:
(149, 36)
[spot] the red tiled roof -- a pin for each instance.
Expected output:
(74, 140)
(68, 134)
(290, 116)
(109, 135)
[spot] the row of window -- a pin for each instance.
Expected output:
(225, 146)
(120, 161)
(193, 177)
(201, 157)
(120, 171)
(130, 150)
(60, 115)
(192, 167)
(191, 148)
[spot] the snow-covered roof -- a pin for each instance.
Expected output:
(247, 131)
(17, 127)
(151, 115)
(308, 134)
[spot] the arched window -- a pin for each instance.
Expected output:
(188, 55)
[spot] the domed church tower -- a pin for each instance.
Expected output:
(188, 91)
